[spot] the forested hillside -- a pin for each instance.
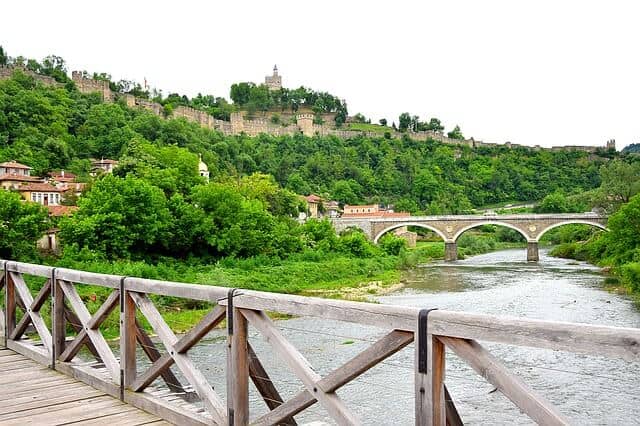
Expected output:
(52, 128)
(155, 216)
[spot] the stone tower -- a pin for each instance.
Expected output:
(305, 124)
(273, 82)
(611, 144)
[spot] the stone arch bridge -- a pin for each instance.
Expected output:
(449, 228)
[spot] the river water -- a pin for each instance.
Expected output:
(589, 390)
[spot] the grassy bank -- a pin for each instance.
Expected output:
(311, 273)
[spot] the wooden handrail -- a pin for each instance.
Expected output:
(458, 331)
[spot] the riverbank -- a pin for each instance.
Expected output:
(310, 274)
(622, 280)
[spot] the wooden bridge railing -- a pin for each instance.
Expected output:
(62, 326)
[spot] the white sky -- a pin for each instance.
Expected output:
(543, 72)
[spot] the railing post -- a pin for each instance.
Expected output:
(58, 320)
(237, 364)
(9, 305)
(429, 375)
(3, 336)
(127, 339)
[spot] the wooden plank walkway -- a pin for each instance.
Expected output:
(34, 394)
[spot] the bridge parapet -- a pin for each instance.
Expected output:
(449, 227)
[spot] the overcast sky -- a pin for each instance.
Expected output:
(543, 72)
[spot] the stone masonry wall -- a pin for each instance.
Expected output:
(7, 72)
(261, 122)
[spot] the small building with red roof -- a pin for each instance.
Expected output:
(42, 193)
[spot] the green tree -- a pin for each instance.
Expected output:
(21, 225)
(120, 218)
(241, 93)
(434, 125)
(556, 203)
(4, 59)
(456, 133)
(404, 122)
(620, 182)
(622, 243)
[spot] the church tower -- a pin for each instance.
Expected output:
(273, 82)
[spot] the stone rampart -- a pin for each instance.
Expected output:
(7, 72)
(261, 121)
(89, 85)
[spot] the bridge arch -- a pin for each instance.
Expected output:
(570, 222)
(490, 222)
(403, 224)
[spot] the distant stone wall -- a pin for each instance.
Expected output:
(89, 85)
(290, 123)
(6, 72)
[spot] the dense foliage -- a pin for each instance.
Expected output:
(60, 128)
(156, 204)
(253, 97)
(21, 224)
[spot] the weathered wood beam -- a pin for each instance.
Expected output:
(100, 344)
(300, 366)
(492, 370)
(205, 293)
(128, 334)
(211, 400)
(186, 342)
(91, 278)
(71, 350)
(264, 385)
(453, 417)
(104, 310)
(77, 326)
(58, 321)
(29, 269)
(239, 372)
(430, 406)
(149, 348)
(388, 345)
(36, 319)
(37, 303)
(386, 316)
(571, 337)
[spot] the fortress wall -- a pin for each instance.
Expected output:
(6, 72)
(89, 85)
(154, 107)
(262, 122)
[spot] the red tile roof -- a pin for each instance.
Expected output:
(40, 187)
(312, 198)
(61, 210)
(378, 214)
(21, 178)
(14, 165)
(68, 177)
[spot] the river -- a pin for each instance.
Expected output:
(589, 390)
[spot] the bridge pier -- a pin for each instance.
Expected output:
(450, 252)
(532, 252)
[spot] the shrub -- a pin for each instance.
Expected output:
(631, 276)
(392, 244)
(356, 244)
